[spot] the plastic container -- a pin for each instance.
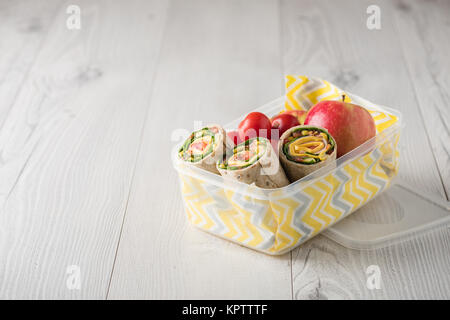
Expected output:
(411, 214)
(278, 220)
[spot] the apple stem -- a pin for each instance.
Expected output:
(343, 98)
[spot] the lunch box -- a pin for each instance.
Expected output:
(275, 221)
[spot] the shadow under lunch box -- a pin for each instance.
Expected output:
(275, 221)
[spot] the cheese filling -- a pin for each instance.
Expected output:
(245, 154)
(308, 146)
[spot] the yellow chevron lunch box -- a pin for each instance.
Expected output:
(275, 221)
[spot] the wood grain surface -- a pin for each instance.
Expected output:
(365, 62)
(24, 27)
(69, 146)
(197, 80)
(424, 35)
(89, 117)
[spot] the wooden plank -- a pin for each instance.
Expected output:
(22, 31)
(411, 270)
(220, 59)
(331, 41)
(69, 148)
(426, 46)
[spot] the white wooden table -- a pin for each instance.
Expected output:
(87, 189)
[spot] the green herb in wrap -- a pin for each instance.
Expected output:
(245, 154)
(204, 147)
(304, 149)
(254, 161)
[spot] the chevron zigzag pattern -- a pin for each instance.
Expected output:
(275, 226)
(303, 93)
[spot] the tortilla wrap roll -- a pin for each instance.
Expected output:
(304, 149)
(204, 147)
(254, 161)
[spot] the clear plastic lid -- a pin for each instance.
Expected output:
(410, 214)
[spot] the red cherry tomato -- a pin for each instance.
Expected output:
(199, 145)
(283, 122)
(234, 136)
(299, 114)
(255, 124)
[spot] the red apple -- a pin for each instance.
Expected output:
(349, 124)
(299, 114)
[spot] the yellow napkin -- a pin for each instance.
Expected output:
(303, 92)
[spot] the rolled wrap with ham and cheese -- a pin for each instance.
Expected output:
(204, 147)
(304, 149)
(254, 161)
